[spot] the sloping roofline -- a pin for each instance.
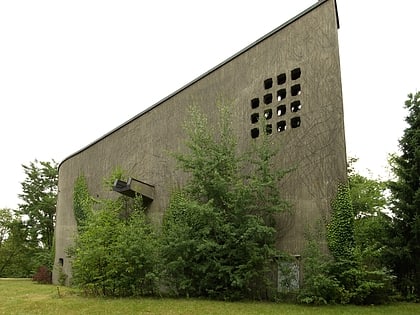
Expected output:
(261, 39)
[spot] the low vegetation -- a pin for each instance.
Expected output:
(26, 297)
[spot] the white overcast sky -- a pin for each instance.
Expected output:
(70, 71)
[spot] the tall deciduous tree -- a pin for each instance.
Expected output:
(39, 196)
(367, 194)
(14, 252)
(370, 202)
(405, 229)
(216, 238)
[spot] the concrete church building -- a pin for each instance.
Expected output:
(286, 84)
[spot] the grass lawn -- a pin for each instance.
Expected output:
(26, 297)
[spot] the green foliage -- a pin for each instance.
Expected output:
(247, 183)
(340, 230)
(39, 196)
(108, 182)
(367, 195)
(370, 277)
(343, 281)
(217, 241)
(354, 272)
(206, 254)
(26, 297)
(15, 252)
(43, 275)
(115, 255)
(37, 213)
(212, 162)
(371, 239)
(319, 285)
(363, 284)
(82, 202)
(404, 231)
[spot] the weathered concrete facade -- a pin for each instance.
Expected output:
(287, 83)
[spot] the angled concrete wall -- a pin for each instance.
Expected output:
(287, 83)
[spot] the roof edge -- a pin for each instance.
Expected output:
(261, 39)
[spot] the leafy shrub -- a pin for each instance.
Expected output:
(365, 285)
(350, 274)
(205, 254)
(319, 284)
(217, 238)
(116, 256)
(42, 275)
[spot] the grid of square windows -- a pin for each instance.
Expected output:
(278, 108)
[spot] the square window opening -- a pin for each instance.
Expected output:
(268, 99)
(295, 106)
(268, 83)
(281, 79)
(295, 90)
(281, 95)
(296, 74)
(295, 122)
(255, 102)
(281, 126)
(269, 129)
(255, 132)
(268, 113)
(281, 110)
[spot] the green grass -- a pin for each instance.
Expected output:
(26, 297)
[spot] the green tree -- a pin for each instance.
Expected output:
(116, 255)
(370, 204)
(217, 239)
(405, 189)
(39, 196)
(14, 251)
(367, 194)
(355, 273)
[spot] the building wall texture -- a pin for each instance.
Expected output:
(287, 84)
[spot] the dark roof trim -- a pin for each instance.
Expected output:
(336, 14)
(284, 25)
